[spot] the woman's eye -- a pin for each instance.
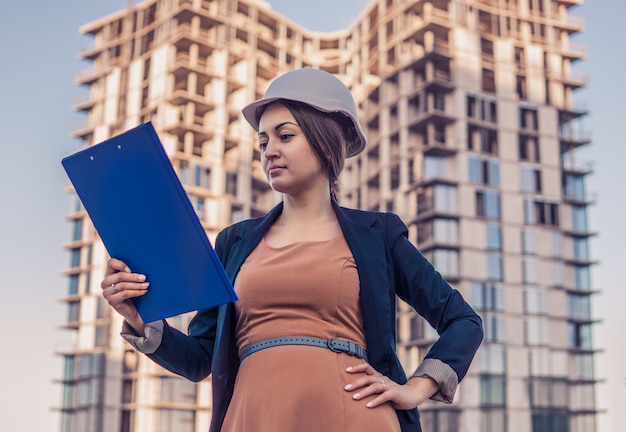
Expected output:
(262, 146)
(286, 137)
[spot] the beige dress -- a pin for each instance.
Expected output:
(303, 289)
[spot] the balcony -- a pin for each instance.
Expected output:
(572, 80)
(182, 97)
(569, 3)
(570, 24)
(582, 168)
(572, 139)
(186, 35)
(84, 104)
(91, 75)
(83, 130)
(208, 13)
(418, 120)
(432, 20)
(571, 51)
(580, 199)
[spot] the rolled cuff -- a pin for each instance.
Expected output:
(147, 344)
(443, 375)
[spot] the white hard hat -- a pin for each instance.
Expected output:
(314, 87)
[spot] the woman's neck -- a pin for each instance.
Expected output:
(307, 211)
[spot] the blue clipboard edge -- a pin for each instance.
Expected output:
(184, 198)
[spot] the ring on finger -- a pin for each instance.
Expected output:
(115, 290)
(382, 381)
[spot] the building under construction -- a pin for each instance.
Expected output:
(472, 139)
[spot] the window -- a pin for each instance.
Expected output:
(528, 147)
(528, 241)
(443, 231)
(183, 172)
(73, 285)
(77, 232)
(445, 198)
(421, 330)
(539, 361)
(550, 420)
(202, 177)
(574, 187)
(471, 106)
(102, 308)
(541, 213)
(126, 421)
(488, 296)
(434, 167)
(535, 301)
(73, 312)
(580, 336)
(520, 86)
(492, 359)
(482, 139)
(488, 204)
(231, 184)
(492, 391)
(481, 109)
(494, 267)
(583, 422)
(557, 240)
(493, 420)
(494, 237)
(583, 397)
(446, 262)
(531, 180)
(578, 307)
(199, 204)
(440, 420)
(529, 270)
(75, 257)
(528, 119)
(579, 218)
(441, 198)
(176, 420)
(175, 389)
(559, 270)
(484, 171)
(584, 368)
(488, 81)
(549, 393)
(582, 278)
(536, 331)
(70, 365)
(102, 332)
(494, 329)
(581, 248)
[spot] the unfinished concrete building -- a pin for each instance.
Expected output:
(472, 137)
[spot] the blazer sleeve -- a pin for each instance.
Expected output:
(459, 327)
(191, 355)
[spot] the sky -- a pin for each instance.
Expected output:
(39, 43)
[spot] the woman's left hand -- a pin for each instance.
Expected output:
(404, 397)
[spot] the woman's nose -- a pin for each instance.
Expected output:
(270, 150)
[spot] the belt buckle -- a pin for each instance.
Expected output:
(334, 345)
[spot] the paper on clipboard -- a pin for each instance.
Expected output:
(144, 217)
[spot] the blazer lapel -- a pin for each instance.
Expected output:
(367, 243)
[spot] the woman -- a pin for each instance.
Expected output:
(310, 345)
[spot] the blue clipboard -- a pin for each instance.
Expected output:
(144, 217)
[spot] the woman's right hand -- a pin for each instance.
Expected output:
(119, 286)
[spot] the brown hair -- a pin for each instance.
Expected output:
(328, 135)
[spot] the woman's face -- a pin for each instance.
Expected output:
(288, 160)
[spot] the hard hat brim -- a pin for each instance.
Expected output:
(316, 88)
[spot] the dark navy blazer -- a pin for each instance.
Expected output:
(388, 265)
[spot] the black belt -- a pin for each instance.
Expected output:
(335, 345)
